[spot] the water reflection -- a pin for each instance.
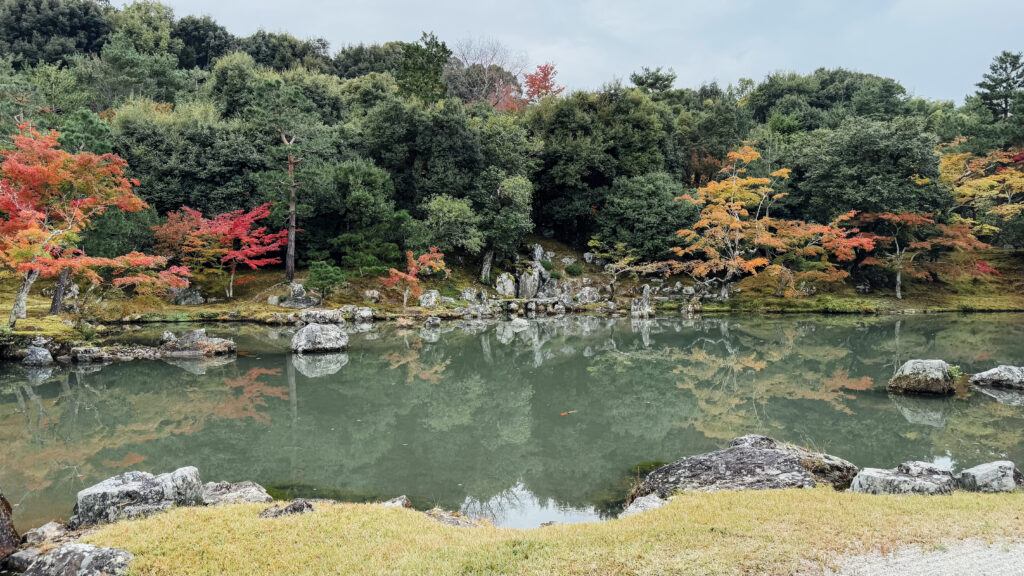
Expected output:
(521, 426)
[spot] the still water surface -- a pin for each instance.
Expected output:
(522, 428)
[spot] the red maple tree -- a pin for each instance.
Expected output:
(541, 83)
(430, 262)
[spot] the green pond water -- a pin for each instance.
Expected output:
(551, 423)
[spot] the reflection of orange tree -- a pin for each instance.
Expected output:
(410, 358)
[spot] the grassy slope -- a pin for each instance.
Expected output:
(773, 532)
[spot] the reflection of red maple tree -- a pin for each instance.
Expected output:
(254, 394)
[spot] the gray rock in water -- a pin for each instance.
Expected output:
(429, 298)
(643, 504)
(298, 298)
(323, 317)
(749, 463)
(641, 307)
(399, 502)
(135, 494)
(8, 535)
(45, 533)
(1000, 476)
(907, 478)
(1010, 377)
(923, 377)
(87, 354)
(320, 365)
(195, 343)
(37, 356)
(362, 315)
(79, 559)
(215, 493)
(314, 338)
(299, 506)
(505, 285)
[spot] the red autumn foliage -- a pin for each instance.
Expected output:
(430, 262)
(541, 83)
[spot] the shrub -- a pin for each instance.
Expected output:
(323, 277)
(574, 270)
(547, 264)
(556, 274)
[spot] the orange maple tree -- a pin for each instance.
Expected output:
(541, 83)
(408, 282)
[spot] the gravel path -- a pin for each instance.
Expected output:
(962, 559)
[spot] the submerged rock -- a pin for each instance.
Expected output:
(136, 494)
(749, 463)
(299, 506)
(319, 338)
(215, 493)
(1009, 377)
(79, 559)
(643, 504)
(907, 478)
(1000, 476)
(923, 377)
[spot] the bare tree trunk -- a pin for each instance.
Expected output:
(57, 303)
(18, 311)
(485, 268)
(231, 282)
(405, 298)
(289, 259)
(899, 283)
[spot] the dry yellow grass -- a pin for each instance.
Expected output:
(774, 532)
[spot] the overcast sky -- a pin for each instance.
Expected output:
(936, 48)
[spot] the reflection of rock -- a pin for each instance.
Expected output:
(1007, 397)
(199, 366)
(318, 365)
(38, 374)
(922, 411)
(77, 559)
(299, 506)
(749, 463)
(429, 298)
(922, 377)
(643, 504)
(234, 493)
(519, 324)
(37, 356)
(1000, 476)
(319, 338)
(907, 478)
(1011, 377)
(135, 494)
(432, 322)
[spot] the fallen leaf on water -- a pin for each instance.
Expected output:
(567, 413)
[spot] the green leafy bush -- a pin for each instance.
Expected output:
(547, 264)
(574, 270)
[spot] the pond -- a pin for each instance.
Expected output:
(554, 422)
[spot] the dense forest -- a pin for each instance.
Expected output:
(375, 150)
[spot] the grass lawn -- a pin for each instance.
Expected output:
(765, 532)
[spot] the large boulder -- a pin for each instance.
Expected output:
(48, 532)
(907, 478)
(37, 356)
(588, 295)
(923, 377)
(8, 535)
(77, 559)
(1000, 476)
(195, 343)
(505, 285)
(319, 338)
(429, 298)
(529, 282)
(362, 315)
(641, 307)
(215, 493)
(189, 296)
(1010, 377)
(749, 463)
(323, 317)
(643, 504)
(136, 494)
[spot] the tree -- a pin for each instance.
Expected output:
(324, 277)
(408, 282)
(422, 68)
(362, 59)
(484, 70)
(202, 41)
(1002, 84)
(149, 26)
(84, 131)
(245, 242)
(284, 51)
(34, 31)
(47, 197)
(451, 224)
(653, 80)
(505, 220)
(642, 212)
(541, 83)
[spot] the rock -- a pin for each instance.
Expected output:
(643, 504)
(187, 296)
(749, 463)
(907, 478)
(323, 317)
(371, 296)
(77, 559)
(45, 533)
(399, 502)
(215, 493)
(195, 343)
(588, 295)
(519, 324)
(299, 506)
(298, 298)
(432, 322)
(362, 315)
(135, 494)
(451, 518)
(1010, 377)
(8, 535)
(319, 365)
(167, 337)
(274, 300)
(20, 560)
(429, 298)
(537, 253)
(447, 300)
(87, 354)
(37, 356)
(468, 294)
(529, 283)
(505, 285)
(1000, 476)
(319, 338)
(568, 261)
(641, 308)
(923, 377)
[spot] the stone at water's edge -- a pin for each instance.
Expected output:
(323, 317)
(749, 463)
(47, 532)
(8, 535)
(37, 356)
(907, 478)
(643, 504)
(194, 343)
(1000, 476)
(319, 338)
(215, 493)
(136, 494)
(923, 377)
(362, 315)
(399, 502)
(1011, 377)
(81, 560)
(505, 285)
(451, 518)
